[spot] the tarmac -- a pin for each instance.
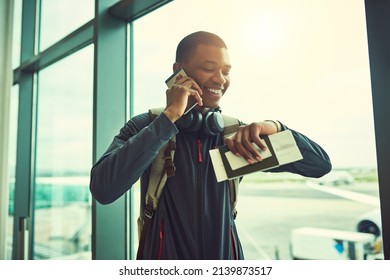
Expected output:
(268, 212)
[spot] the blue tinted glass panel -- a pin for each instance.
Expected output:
(59, 18)
(63, 159)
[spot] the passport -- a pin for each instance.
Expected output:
(281, 149)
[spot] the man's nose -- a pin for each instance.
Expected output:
(219, 78)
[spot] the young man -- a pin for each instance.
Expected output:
(194, 218)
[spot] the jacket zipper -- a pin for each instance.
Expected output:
(199, 144)
(233, 244)
(161, 240)
(200, 196)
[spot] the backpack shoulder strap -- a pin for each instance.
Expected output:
(161, 168)
(231, 125)
(163, 161)
(154, 112)
(233, 189)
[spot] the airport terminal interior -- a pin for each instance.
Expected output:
(73, 72)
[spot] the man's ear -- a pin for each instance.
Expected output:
(176, 65)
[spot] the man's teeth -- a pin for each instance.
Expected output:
(216, 91)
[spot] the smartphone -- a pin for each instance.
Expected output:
(172, 79)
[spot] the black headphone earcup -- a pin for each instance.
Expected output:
(190, 122)
(212, 123)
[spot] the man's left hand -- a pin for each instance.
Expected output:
(241, 143)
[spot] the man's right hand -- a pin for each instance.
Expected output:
(177, 97)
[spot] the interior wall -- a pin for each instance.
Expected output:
(6, 20)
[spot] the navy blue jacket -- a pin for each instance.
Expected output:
(194, 218)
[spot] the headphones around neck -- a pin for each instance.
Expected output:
(210, 123)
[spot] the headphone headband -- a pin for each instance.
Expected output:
(209, 123)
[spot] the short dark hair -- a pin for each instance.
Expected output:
(188, 44)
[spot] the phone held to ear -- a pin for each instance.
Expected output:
(172, 79)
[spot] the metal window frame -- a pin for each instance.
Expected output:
(25, 152)
(378, 32)
(70, 44)
(109, 114)
(130, 10)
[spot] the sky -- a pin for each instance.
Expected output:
(304, 63)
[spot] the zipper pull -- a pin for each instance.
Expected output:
(200, 158)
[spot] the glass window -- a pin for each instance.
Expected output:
(62, 201)
(16, 36)
(303, 64)
(59, 18)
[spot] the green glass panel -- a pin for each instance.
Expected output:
(62, 203)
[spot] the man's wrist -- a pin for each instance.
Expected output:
(276, 124)
(171, 115)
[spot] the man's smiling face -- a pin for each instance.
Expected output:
(209, 66)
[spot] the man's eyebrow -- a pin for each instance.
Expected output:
(215, 63)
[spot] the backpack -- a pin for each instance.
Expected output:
(162, 167)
